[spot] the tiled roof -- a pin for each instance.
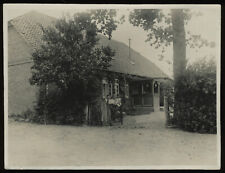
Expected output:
(136, 64)
(29, 26)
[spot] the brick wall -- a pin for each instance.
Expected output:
(21, 95)
(18, 49)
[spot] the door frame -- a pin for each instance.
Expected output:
(156, 96)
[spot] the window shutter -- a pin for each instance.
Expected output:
(116, 86)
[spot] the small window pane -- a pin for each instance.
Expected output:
(147, 88)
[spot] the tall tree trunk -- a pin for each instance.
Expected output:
(179, 54)
(179, 43)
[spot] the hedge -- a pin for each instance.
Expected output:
(195, 98)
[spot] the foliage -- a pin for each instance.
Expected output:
(67, 54)
(159, 26)
(149, 20)
(195, 102)
(168, 89)
(164, 29)
(116, 113)
(105, 20)
(67, 106)
(70, 59)
(25, 116)
(126, 106)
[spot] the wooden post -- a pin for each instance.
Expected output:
(142, 93)
(45, 107)
(159, 93)
(45, 117)
(109, 120)
(86, 114)
(89, 113)
(153, 95)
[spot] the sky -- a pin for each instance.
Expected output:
(207, 25)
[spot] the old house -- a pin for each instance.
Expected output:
(132, 79)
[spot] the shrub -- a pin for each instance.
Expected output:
(70, 57)
(195, 98)
(168, 88)
(25, 116)
(67, 106)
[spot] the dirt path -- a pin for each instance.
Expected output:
(142, 141)
(155, 120)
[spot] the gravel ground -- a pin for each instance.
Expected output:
(142, 141)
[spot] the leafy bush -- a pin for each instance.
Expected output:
(25, 116)
(168, 88)
(67, 106)
(71, 59)
(195, 98)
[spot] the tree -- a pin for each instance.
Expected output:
(179, 44)
(71, 59)
(168, 27)
(164, 29)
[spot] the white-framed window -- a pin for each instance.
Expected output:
(104, 88)
(116, 88)
(113, 88)
(110, 89)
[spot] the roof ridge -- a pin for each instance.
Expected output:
(156, 66)
(32, 12)
(27, 26)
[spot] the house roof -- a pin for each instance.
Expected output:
(29, 27)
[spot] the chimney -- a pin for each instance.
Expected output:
(129, 56)
(129, 48)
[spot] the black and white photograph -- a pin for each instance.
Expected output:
(106, 86)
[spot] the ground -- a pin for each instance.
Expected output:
(141, 141)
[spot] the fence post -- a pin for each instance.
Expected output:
(45, 102)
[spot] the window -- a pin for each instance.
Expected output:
(113, 89)
(136, 88)
(110, 90)
(116, 88)
(104, 88)
(147, 88)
